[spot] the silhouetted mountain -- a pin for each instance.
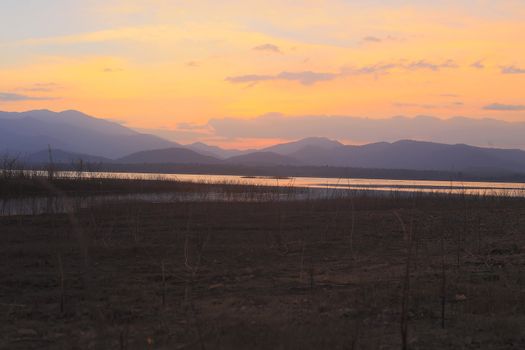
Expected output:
(292, 147)
(72, 118)
(472, 131)
(415, 155)
(72, 131)
(215, 151)
(59, 156)
(263, 159)
(412, 155)
(168, 156)
(75, 136)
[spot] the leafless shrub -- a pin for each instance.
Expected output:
(407, 232)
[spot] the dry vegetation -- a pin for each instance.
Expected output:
(33, 183)
(361, 272)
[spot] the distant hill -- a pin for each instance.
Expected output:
(292, 147)
(263, 159)
(168, 156)
(74, 135)
(72, 131)
(215, 151)
(415, 155)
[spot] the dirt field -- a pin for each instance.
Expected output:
(356, 273)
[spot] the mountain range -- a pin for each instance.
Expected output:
(72, 131)
(72, 136)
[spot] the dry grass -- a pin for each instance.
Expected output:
(335, 273)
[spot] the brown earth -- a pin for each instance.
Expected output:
(317, 274)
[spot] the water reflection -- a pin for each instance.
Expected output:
(282, 189)
(478, 188)
(315, 182)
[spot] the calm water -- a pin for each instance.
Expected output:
(446, 187)
(302, 187)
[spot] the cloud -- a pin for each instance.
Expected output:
(183, 133)
(192, 126)
(414, 105)
(135, 33)
(423, 64)
(250, 78)
(372, 39)
(268, 48)
(504, 107)
(512, 70)
(40, 87)
(304, 77)
(478, 65)
(402, 65)
(112, 70)
(308, 77)
(480, 132)
(311, 78)
(193, 64)
(379, 68)
(454, 104)
(12, 97)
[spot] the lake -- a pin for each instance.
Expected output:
(446, 187)
(296, 188)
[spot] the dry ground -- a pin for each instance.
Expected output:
(318, 274)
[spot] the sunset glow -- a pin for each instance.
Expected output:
(173, 65)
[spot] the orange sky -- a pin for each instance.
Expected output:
(154, 64)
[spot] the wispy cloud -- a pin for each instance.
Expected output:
(478, 64)
(12, 97)
(454, 104)
(423, 64)
(308, 77)
(122, 33)
(372, 39)
(250, 78)
(311, 77)
(193, 64)
(504, 107)
(305, 77)
(192, 126)
(40, 87)
(512, 70)
(112, 70)
(268, 48)
(379, 68)
(183, 132)
(414, 105)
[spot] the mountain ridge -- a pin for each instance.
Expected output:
(176, 155)
(74, 135)
(72, 131)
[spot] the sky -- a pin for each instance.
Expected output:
(179, 68)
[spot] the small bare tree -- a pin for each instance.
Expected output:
(408, 238)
